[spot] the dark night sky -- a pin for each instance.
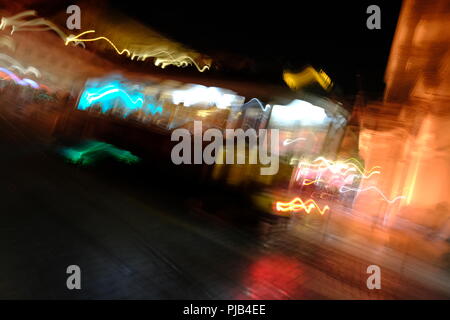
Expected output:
(327, 34)
(274, 36)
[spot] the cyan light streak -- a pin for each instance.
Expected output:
(108, 95)
(111, 94)
(154, 109)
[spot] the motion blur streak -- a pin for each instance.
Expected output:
(358, 121)
(92, 151)
(338, 166)
(23, 82)
(76, 38)
(309, 75)
(297, 205)
(344, 189)
(263, 108)
(111, 94)
(14, 64)
(114, 94)
(106, 94)
(7, 42)
(289, 141)
(37, 24)
(162, 58)
(307, 182)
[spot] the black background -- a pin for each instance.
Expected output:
(278, 35)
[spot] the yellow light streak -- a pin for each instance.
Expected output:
(77, 38)
(297, 205)
(17, 23)
(297, 80)
(308, 182)
(163, 58)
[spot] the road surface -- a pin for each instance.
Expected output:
(135, 237)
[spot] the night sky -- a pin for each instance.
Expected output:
(256, 41)
(326, 34)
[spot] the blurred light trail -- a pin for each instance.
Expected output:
(17, 23)
(14, 64)
(263, 108)
(113, 93)
(198, 94)
(362, 175)
(358, 162)
(345, 165)
(7, 42)
(163, 58)
(332, 173)
(299, 110)
(297, 205)
(336, 169)
(308, 182)
(181, 61)
(297, 80)
(23, 82)
(289, 141)
(92, 151)
(155, 109)
(72, 38)
(106, 95)
(43, 86)
(344, 189)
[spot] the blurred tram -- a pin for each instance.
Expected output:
(141, 115)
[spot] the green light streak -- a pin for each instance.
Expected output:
(92, 151)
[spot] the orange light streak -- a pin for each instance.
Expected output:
(308, 182)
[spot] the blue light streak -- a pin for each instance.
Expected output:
(16, 79)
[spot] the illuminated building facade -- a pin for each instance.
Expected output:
(407, 134)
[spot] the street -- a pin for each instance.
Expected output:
(136, 238)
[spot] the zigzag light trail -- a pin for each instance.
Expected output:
(331, 163)
(106, 94)
(308, 182)
(17, 80)
(344, 189)
(297, 205)
(37, 24)
(159, 61)
(162, 58)
(260, 104)
(337, 167)
(76, 38)
(120, 93)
